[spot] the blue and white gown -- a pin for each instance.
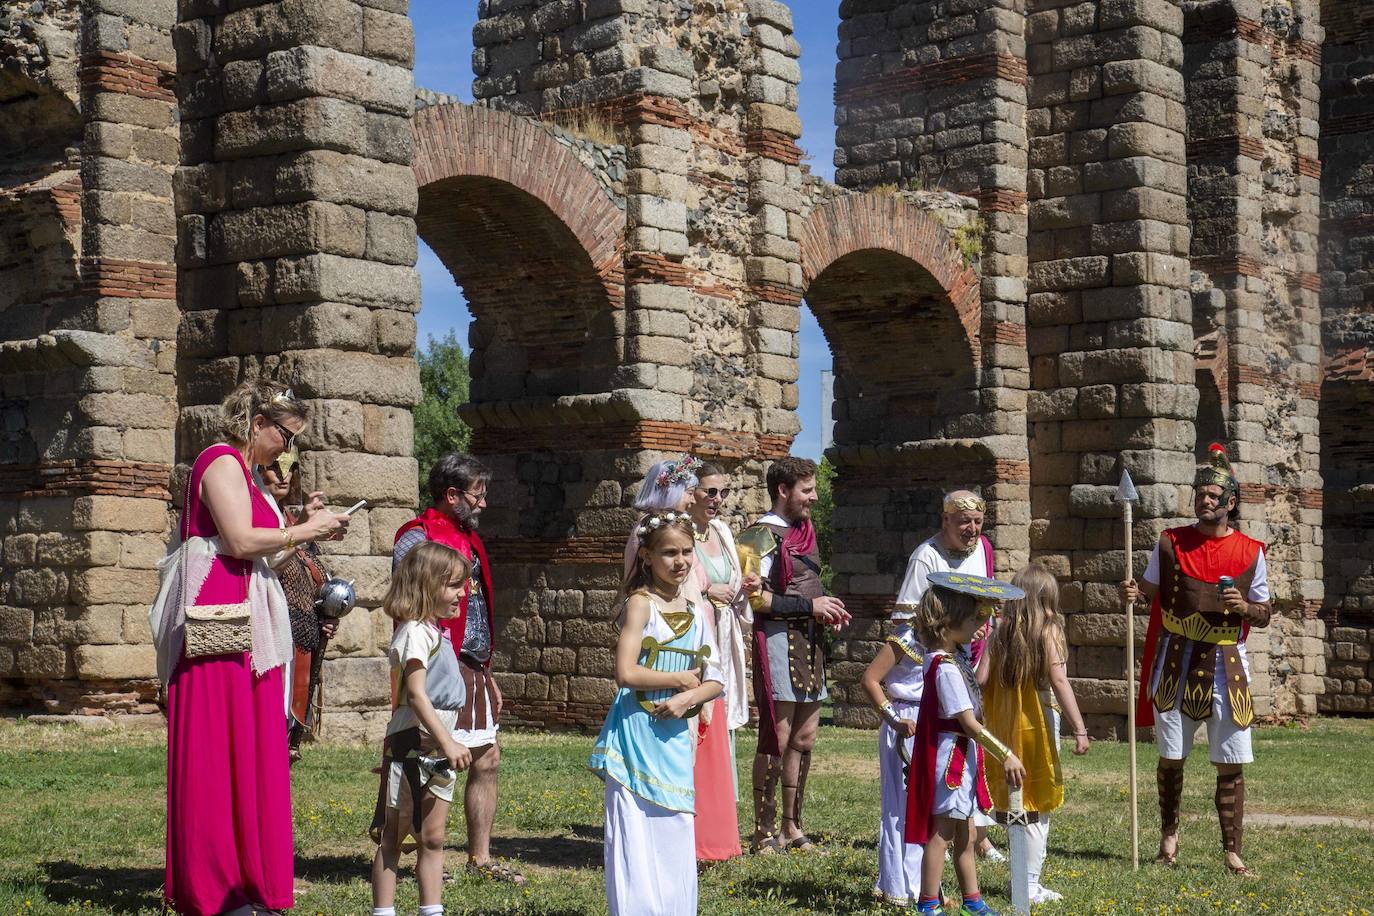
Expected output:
(646, 763)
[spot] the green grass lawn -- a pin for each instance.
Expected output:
(81, 830)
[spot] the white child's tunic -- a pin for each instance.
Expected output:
(899, 862)
(953, 695)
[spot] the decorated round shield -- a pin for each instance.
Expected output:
(979, 586)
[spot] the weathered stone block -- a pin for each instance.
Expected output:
(115, 662)
(118, 513)
(322, 123)
(256, 30)
(338, 279)
(344, 179)
(113, 585)
(346, 477)
(313, 71)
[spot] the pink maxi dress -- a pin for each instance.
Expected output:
(229, 839)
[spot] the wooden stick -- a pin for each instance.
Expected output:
(1130, 695)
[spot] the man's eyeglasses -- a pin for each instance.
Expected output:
(715, 492)
(475, 498)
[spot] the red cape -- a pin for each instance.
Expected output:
(920, 794)
(439, 527)
(1205, 559)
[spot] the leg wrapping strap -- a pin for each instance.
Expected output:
(1170, 782)
(1230, 799)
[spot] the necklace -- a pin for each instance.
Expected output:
(701, 536)
(666, 597)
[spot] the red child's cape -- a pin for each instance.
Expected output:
(920, 796)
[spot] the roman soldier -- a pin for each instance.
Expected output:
(791, 612)
(1207, 584)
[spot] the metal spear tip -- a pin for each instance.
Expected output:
(1125, 491)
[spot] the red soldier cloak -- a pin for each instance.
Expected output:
(1205, 559)
(920, 796)
(439, 527)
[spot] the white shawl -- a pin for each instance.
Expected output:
(184, 573)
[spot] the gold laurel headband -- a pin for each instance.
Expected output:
(965, 504)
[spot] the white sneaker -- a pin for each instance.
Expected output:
(1041, 894)
(993, 854)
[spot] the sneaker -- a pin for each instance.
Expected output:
(1040, 894)
(976, 909)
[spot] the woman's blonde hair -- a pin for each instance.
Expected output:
(641, 576)
(940, 611)
(257, 396)
(417, 586)
(1017, 645)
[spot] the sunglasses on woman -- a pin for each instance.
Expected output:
(715, 492)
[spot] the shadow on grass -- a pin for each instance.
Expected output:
(584, 848)
(118, 890)
(334, 869)
(818, 894)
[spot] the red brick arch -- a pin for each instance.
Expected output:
(887, 223)
(459, 141)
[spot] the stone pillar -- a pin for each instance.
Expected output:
(88, 382)
(1109, 313)
(1347, 393)
(1251, 78)
(296, 246)
(933, 96)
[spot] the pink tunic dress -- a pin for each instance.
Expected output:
(229, 839)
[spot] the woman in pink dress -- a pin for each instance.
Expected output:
(229, 842)
(717, 578)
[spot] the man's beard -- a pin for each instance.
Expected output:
(465, 517)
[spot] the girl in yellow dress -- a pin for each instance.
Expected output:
(1026, 689)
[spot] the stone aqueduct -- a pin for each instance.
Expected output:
(1061, 235)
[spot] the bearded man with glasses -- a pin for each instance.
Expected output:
(458, 494)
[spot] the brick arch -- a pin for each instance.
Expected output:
(887, 223)
(467, 141)
(901, 311)
(533, 236)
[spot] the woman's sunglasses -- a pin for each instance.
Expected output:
(715, 492)
(286, 434)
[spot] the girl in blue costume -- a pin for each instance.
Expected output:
(645, 758)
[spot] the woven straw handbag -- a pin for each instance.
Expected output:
(218, 629)
(214, 629)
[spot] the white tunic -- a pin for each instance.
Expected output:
(650, 856)
(930, 557)
(899, 862)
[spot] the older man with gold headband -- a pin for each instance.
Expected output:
(959, 546)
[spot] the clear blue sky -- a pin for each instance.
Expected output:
(443, 62)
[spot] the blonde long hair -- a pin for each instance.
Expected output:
(416, 591)
(1017, 645)
(256, 396)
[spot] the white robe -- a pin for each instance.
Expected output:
(651, 857)
(899, 862)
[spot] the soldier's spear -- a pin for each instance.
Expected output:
(1127, 495)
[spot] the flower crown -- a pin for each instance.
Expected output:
(654, 522)
(678, 472)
